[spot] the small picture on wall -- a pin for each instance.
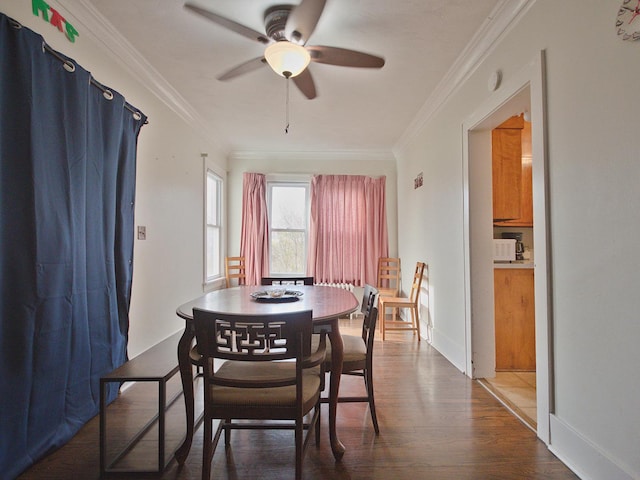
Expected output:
(417, 182)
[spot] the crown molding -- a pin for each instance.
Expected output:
(501, 19)
(106, 36)
(109, 39)
(344, 155)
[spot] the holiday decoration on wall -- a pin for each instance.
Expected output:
(52, 16)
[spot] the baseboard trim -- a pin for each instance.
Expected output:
(449, 349)
(581, 456)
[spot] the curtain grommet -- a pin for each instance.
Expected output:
(15, 24)
(108, 94)
(137, 116)
(69, 66)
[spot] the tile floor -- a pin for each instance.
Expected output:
(517, 390)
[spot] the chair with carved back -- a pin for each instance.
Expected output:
(234, 271)
(358, 355)
(412, 303)
(254, 384)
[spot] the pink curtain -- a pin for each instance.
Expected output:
(348, 231)
(254, 242)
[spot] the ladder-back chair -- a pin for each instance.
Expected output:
(388, 281)
(412, 304)
(234, 270)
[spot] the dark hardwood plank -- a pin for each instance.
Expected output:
(434, 423)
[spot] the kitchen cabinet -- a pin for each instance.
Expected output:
(514, 319)
(506, 151)
(525, 217)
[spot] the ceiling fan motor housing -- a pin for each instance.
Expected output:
(275, 20)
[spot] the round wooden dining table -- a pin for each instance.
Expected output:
(328, 305)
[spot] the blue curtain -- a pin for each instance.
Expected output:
(67, 186)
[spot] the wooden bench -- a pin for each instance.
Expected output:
(157, 364)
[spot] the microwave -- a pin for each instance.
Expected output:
(504, 249)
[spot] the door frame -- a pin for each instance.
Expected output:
(478, 231)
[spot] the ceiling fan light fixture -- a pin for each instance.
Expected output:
(287, 59)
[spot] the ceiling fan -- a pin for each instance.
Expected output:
(288, 28)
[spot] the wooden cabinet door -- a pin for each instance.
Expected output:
(514, 319)
(526, 193)
(507, 173)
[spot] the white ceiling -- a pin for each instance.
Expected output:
(356, 109)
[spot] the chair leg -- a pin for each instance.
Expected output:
(415, 320)
(372, 404)
(299, 434)
(317, 426)
(227, 432)
(207, 450)
(382, 326)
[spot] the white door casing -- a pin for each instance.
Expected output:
(527, 86)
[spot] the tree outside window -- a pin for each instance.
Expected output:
(288, 227)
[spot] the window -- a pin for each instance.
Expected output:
(213, 225)
(288, 227)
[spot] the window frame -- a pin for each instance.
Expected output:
(297, 181)
(219, 175)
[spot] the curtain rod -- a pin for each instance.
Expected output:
(70, 67)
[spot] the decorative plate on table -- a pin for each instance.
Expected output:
(276, 296)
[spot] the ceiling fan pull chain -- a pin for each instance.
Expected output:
(286, 128)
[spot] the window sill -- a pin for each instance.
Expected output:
(217, 284)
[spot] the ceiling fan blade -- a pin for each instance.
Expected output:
(302, 20)
(344, 57)
(243, 68)
(305, 84)
(229, 24)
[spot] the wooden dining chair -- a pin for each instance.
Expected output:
(254, 384)
(234, 270)
(358, 355)
(388, 280)
(286, 281)
(412, 303)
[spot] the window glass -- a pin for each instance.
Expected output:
(213, 229)
(288, 225)
(212, 198)
(288, 207)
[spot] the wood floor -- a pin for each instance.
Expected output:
(517, 390)
(435, 423)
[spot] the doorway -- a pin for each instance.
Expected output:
(514, 383)
(523, 92)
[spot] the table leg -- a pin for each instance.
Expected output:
(337, 353)
(186, 375)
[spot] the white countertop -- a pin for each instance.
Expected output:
(514, 264)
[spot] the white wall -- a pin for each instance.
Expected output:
(169, 186)
(594, 172)
(345, 163)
